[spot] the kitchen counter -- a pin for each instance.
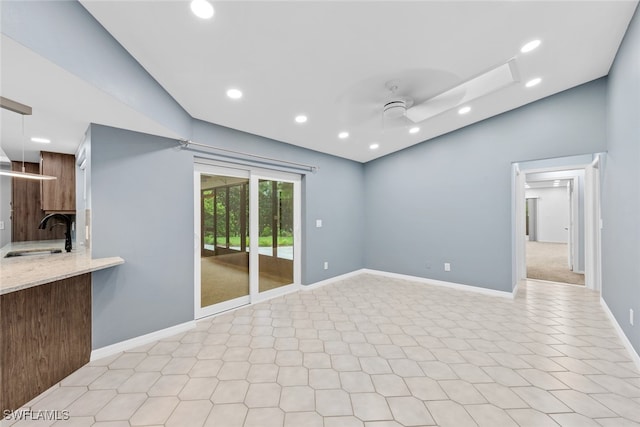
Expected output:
(45, 316)
(22, 272)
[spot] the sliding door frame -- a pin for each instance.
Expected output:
(254, 175)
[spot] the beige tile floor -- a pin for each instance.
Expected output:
(375, 352)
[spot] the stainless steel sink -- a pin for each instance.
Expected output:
(39, 251)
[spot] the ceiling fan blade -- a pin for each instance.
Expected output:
(362, 103)
(474, 88)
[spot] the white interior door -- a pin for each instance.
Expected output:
(593, 275)
(570, 236)
(519, 219)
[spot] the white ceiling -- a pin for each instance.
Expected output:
(547, 184)
(63, 106)
(331, 59)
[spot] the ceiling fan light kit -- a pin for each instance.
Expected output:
(395, 109)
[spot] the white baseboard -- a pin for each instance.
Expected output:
(141, 340)
(516, 288)
(331, 280)
(458, 286)
(623, 337)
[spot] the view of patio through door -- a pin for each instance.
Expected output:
(276, 234)
(224, 252)
(246, 236)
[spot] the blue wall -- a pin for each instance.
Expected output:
(449, 199)
(334, 194)
(142, 210)
(621, 187)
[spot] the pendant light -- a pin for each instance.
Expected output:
(22, 110)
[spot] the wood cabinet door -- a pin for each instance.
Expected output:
(58, 195)
(25, 208)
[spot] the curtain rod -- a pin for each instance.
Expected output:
(185, 143)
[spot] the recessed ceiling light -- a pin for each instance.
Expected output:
(530, 46)
(41, 140)
(414, 130)
(533, 82)
(301, 118)
(202, 9)
(343, 135)
(234, 93)
(464, 110)
(374, 146)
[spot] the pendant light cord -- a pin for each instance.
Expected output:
(23, 168)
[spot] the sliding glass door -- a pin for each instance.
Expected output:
(222, 264)
(275, 215)
(247, 236)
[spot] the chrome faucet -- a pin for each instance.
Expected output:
(67, 223)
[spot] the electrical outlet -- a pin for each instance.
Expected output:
(447, 266)
(631, 316)
(1, 225)
(318, 223)
(326, 265)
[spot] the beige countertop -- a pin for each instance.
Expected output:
(26, 271)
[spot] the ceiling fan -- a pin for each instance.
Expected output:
(418, 95)
(396, 106)
(483, 84)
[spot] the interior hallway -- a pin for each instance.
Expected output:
(548, 261)
(370, 349)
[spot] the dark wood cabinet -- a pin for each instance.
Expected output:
(58, 195)
(25, 208)
(46, 335)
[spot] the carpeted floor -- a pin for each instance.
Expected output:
(548, 261)
(222, 281)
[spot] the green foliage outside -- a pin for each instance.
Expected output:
(262, 241)
(283, 215)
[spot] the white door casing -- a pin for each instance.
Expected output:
(592, 225)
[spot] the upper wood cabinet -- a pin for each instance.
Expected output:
(58, 195)
(25, 208)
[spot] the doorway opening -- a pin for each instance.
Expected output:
(556, 217)
(555, 226)
(247, 236)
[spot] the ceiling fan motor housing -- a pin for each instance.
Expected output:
(395, 109)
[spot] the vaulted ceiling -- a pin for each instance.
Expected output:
(339, 62)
